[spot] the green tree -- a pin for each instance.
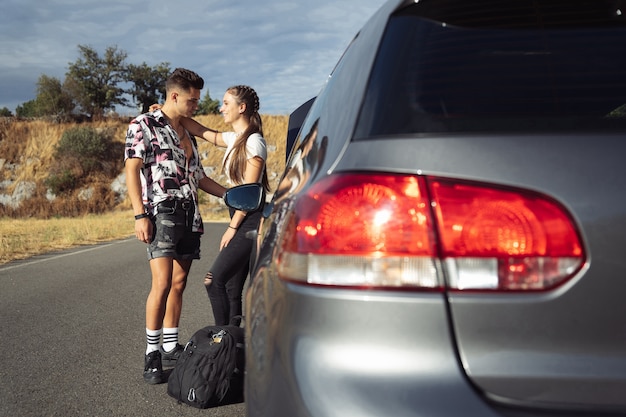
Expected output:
(27, 109)
(52, 99)
(208, 106)
(5, 112)
(93, 81)
(148, 83)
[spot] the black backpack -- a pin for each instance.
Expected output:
(210, 370)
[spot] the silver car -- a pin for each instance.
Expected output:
(449, 236)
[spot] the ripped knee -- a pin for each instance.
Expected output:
(208, 279)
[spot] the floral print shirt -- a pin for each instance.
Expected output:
(165, 174)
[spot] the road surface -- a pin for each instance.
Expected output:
(72, 337)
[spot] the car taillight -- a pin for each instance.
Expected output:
(503, 239)
(396, 231)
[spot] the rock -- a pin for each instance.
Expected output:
(86, 194)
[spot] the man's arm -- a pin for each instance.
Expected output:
(208, 185)
(143, 226)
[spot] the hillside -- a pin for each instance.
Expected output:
(27, 160)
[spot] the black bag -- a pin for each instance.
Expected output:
(210, 370)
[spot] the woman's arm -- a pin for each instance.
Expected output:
(254, 170)
(199, 130)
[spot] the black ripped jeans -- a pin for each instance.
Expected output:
(229, 273)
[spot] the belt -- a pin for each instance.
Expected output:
(176, 204)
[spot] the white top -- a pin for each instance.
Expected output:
(255, 146)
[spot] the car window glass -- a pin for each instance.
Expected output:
(490, 74)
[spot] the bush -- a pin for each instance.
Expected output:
(61, 182)
(86, 145)
(82, 151)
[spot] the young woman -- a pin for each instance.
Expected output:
(244, 162)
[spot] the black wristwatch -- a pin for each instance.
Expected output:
(141, 216)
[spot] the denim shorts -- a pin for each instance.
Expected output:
(173, 236)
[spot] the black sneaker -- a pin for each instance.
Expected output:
(170, 358)
(153, 370)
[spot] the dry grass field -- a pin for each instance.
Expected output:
(26, 154)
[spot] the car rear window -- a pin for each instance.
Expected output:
(458, 66)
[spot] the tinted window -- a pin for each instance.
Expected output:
(459, 69)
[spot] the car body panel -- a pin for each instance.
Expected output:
(318, 336)
(583, 343)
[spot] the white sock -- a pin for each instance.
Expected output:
(153, 338)
(170, 338)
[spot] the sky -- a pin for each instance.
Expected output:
(284, 49)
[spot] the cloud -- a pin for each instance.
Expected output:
(283, 49)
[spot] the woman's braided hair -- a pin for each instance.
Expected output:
(238, 158)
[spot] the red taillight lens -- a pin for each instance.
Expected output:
(363, 214)
(485, 222)
(378, 230)
(361, 230)
(503, 239)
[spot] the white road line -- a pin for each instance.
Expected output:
(26, 263)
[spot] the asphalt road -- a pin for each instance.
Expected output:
(72, 337)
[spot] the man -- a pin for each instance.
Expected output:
(163, 175)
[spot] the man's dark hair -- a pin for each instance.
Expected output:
(184, 79)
